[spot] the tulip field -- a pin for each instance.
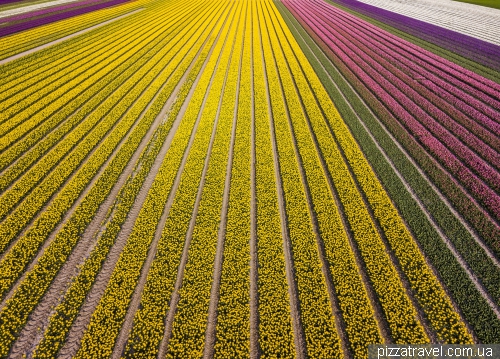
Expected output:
(247, 178)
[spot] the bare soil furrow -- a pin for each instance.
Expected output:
(462, 221)
(210, 333)
(76, 333)
(254, 260)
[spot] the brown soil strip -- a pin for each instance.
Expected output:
(378, 312)
(39, 318)
(339, 321)
(136, 298)
(67, 37)
(444, 238)
(299, 337)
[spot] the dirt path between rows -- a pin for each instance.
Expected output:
(174, 300)
(210, 333)
(67, 37)
(254, 260)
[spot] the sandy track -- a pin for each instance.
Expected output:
(67, 37)
(62, 123)
(40, 317)
(210, 333)
(339, 321)
(76, 333)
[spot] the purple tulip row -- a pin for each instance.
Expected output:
(416, 111)
(477, 50)
(49, 10)
(8, 30)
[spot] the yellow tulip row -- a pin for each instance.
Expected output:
(106, 320)
(190, 320)
(29, 39)
(79, 128)
(66, 312)
(28, 108)
(276, 336)
(148, 327)
(426, 287)
(361, 325)
(16, 193)
(398, 308)
(17, 258)
(15, 313)
(41, 140)
(233, 311)
(321, 336)
(437, 306)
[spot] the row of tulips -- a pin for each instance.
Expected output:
(23, 154)
(321, 337)
(191, 314)
(44, 11)
(457, 195)
(357, 311)
(437, 307)
(148, 327)
(448, 150)
(276, 335)
(18, 27)
(55, 89)
(110, 312)
(65, 313)
(436, 84)
(94, 122)
(25, 40)
(56, 54)
(26, 246)
(31, 289)
(431, 296)
(385, 157)
(233, 310)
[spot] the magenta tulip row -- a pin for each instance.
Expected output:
(8, 30)
(417, 97)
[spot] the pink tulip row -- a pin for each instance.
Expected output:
(415, 111)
